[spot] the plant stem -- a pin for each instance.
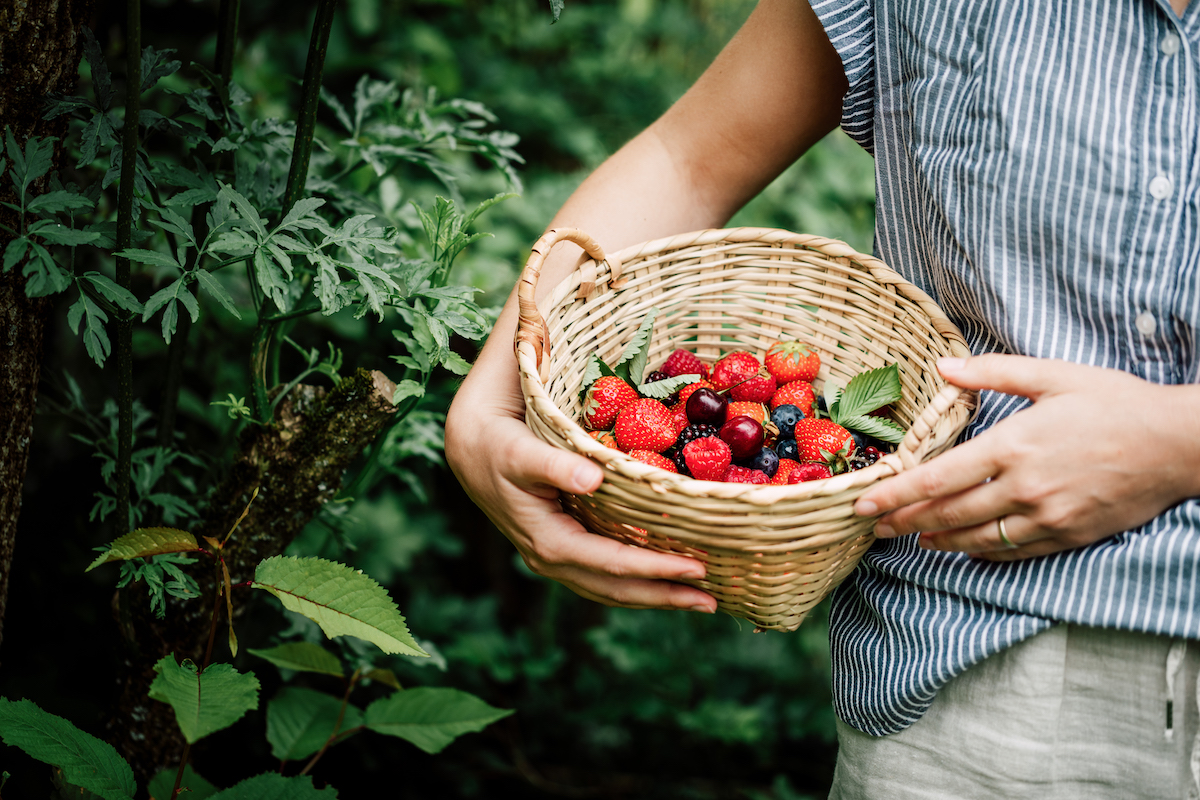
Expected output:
(227, 26)
(212, 633)
(124, 343)
(337, 726)
(187, 750)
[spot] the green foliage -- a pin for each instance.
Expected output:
(300, 721)
(204, 702)
(197, 788)
(343, 601)
(430, 718)
(87, 762)
(273, 786)
(145, 542)
(866, 392)
(302, 657)
(163, 576)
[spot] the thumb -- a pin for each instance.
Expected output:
(1023, 376)
(536, 464)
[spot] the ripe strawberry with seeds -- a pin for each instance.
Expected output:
(605, 438)
(746, 408)
(645, 424)
(791, 361)
(604, 400)
(707, 458)
(797, 393)
(734, 368)
(823, 441)
(755, 389)
(653, 459)
(786, 465)
(682, 362)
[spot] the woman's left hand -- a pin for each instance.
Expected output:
(1099, 452)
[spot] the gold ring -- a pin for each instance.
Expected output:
(1008, 543)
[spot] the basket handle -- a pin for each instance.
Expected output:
(531, 327)
(921, 436)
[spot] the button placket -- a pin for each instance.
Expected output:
(1146, 323)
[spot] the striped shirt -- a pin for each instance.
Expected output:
(1036, 173)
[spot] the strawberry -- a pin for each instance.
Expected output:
(645, 424)
(816, 435)
(792, 361)
(757, 388)
(736, 474)
(734, 368)
(654, 459)
(707, 458)
(786, 465)
(605, 438)
(809, 472)
(681, 362)
(746, 408)
(604, 399)
(797, 393)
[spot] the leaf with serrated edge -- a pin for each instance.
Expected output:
(868, 391)
(880, 428)
(832, 393)
(430, 718)
(273, 786)
(196, 787)
(302, 657)
(145, 542)
(660, 390)
(86, 762)
(300, 720)
(632, 363)
(205, 702)
(594, 371)
(343, 601)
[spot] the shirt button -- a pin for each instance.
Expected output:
(1169, 44)
(1160, 187)
(1146, 323)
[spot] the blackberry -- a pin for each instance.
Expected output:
(676, 455)
(697, 430)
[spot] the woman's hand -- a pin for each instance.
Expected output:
(1099, 452)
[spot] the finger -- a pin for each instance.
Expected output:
(535, 466)
(977, 505)
(637, 593)
(960, 468)
(567, 545)
(985, 538)
(1017, 375)
(1042, 547)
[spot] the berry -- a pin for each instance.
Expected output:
(707, 458)
(809, 472)
(745, 408)
(681, 362)
(786, 465)
(604, 399)
(706, 406)
(756, 389)
(686, 392)
(743, 435)
(645, 424)
(696, 431)
(787, 449)
(872, 453)
(605, 438)
(655, 377)
(792, 361)
(733, 369)
(680, 416)
(796, 393)
(736, 474)
(653, 459)
(816, 435)
(766, 461)
(676, 455)
(785, 418)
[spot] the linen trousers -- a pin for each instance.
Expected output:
(1073, 713)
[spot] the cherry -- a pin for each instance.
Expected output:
(706, 407)
(744, 435)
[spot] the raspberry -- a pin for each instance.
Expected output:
(707, 458)
(736, 474)
(809, 472)
(681, 362)
(786, 465)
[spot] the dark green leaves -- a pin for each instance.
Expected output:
(203, 702)
(302, 657)
(865, 393)
(556, 8)
(632, 363)
(273, 786)
(86, 761)
(430, 718)
(661, 390)
(300, 720)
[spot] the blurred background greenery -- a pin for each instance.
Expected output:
(611, 703)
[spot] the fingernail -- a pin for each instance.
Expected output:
(693, 575)
(884, 531)
(703, 609)
(586, 476)
(951, 364)
(865, 508)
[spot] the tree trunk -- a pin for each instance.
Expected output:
(40, 48)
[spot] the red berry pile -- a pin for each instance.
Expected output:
(741, 420)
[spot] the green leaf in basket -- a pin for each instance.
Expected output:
(632, 363)
(661, 390)
(596, 369)
(866, 392)
(880, 428)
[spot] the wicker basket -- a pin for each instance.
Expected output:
(772, 552)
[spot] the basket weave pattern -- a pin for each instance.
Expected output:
(771, 552)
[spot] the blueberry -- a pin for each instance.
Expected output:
(767, 461)
(787, 448)
(785, 418)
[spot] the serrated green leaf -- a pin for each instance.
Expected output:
(594, 371)
(455, 363)
(152, 257)
(880, 428)
(300, 720)
(430, 718)
(407, 388)
(86, 762)
(145, 542)
(632, 363)
(302, 657)
(70, 237)
(60, 200)
(343, 601)
(14, 252)
(832, 393)
(868, 391)
(660, 390)
(210, 284)
(116, 293)
(203, 703)
(196, 787)
(273, 786)
(556, 8)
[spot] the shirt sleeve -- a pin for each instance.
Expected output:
(850, 25)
